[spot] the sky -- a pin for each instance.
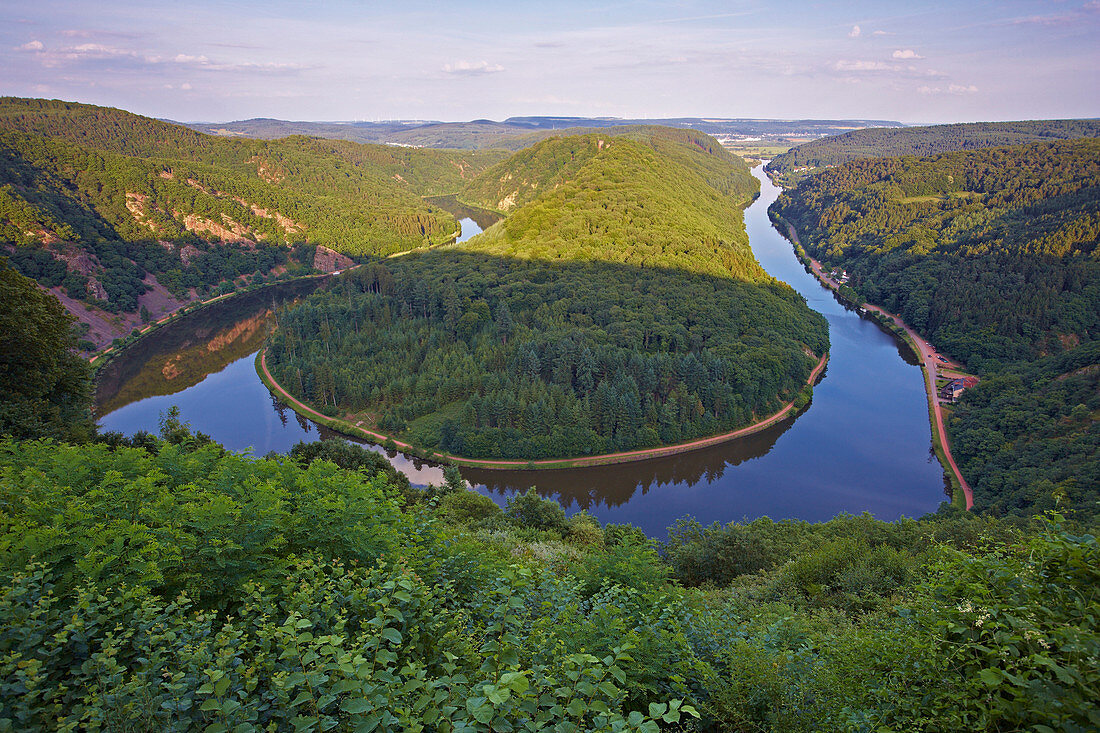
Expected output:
(909, 60)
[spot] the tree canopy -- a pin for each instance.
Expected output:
(45, 389)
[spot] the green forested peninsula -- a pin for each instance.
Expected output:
(621, 307)
(886, 142)
(95, 200)
(992, 254)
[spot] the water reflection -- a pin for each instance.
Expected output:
(610, 486)
(184, 352)
(481, 217)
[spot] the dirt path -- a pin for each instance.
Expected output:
(600, 460)
(930, 362)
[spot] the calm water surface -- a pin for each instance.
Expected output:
(864, 444)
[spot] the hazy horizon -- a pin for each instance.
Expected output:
(350, 61)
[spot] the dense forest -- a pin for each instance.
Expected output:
(162, 583)
(884, 142)
(106, 205)
(549, 165)
(992, 254)
(620, 308)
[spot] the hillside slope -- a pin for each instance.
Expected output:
(618, 308)
(123, 212)
(925, 141)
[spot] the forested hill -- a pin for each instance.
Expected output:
(924, 141)
(993, 255)
(122, 212)
(620, 308)
(551, 163)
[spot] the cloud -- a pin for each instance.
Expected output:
(122, 58)
(31, 46)
(907, 53)
(469, 68)
(883, 33)
(844, 65)
(854, 33)
(951, 89)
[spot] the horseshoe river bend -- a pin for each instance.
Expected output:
(863, 444)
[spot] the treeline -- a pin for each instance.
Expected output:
(549, 164)
(621, 309)
(991, 254)
(1028, 437)
(925, 141)
(92, 192)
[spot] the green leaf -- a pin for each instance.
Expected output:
(391, 635)
(991, 677)
(355, 706)
(302, 697)
(369, 724)
(657, 709)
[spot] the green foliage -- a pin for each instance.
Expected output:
(1030, 436)
(465, 506)
(924, 141)
(1014, 632)
(175, 587)
(184, 518)
(349, 456)
(531, 510)
(617, 311)
(992, 255)
(120, 196)
(45, 389)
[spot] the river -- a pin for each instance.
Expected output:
(864, 443)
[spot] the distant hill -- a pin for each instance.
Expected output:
(127, 214)
(923, 141)
(516, 133)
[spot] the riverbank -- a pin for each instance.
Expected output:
(101, 358)
(929, 361)
(357, 430)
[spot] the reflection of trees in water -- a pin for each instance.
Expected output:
(614, 485)
(183, 352)
(280, 408)
(481, 217)
(303, 423)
